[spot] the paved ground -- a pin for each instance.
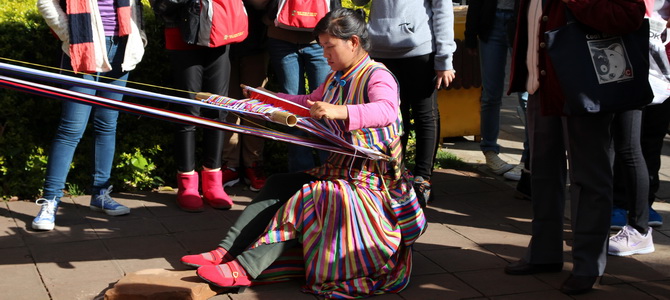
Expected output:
(476, 228)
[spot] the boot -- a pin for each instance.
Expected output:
(188, 197)
(212, 190)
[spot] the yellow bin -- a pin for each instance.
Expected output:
(459, 105)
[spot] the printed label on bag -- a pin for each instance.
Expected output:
(610, 59)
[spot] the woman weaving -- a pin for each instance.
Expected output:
(355, 219)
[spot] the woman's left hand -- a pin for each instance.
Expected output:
(323, 110)
(444, 78)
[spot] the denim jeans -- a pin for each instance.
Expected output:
(493, 57)
(73, 121)
(290, 63)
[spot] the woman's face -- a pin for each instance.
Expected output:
(340, 54)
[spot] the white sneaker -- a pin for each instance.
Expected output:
(515, 173)
(46, 218)
(629, 241)
(496, 164)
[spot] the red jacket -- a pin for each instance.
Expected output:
(609, 16)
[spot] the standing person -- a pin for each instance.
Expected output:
(489, 27)
(102, 41)
(249, 63)
(415, 40)
(294, 56)
(358, 200)
(585, 137)
(196, 69)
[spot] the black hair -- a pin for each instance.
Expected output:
(343, 23)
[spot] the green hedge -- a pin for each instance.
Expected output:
(144, 158)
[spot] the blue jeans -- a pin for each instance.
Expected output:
(493, 57)
(290, 63)
(73, 121)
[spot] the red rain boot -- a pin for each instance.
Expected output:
(188, 197)
(212, 190)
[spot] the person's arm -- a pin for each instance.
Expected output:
(609, 16)
(384, 105)
(443, 33)
(55, 18)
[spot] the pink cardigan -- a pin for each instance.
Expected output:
(381, 111)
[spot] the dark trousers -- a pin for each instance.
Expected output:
(418, 102)
(255, 218)
(655, 121)
(631, 179)
(201, 70)
(586, 139)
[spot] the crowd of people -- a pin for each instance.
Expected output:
(371, 80)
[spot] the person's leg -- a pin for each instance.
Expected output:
(105, 120)
(549, 168)
(417, 93)
(630, 170)
(316, 69)
(590, 190)
(287, 67)
(493, 60)
(655, 121)
(216, 78)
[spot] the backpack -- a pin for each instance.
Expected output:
(301, 15)
(222, 22)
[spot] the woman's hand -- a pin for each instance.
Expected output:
(444, 77)
(323, 110)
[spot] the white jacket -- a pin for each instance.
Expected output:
(57, 20)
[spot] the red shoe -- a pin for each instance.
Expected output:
(212, 258)
(230, 176)
(254, 177)
(188, 197)
(213, 192)
(228, 275)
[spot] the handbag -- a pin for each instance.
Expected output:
(600, 72)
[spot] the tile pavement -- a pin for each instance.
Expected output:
(476, 228)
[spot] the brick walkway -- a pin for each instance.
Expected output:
(476, 228)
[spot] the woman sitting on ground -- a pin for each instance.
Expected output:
(354, 218)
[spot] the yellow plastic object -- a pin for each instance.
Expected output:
(459, 106)
(459, 112)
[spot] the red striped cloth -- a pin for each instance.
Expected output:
(80, 22)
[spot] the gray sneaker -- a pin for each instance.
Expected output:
(629, 241)
(496, 164)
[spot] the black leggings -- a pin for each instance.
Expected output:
(201, 70)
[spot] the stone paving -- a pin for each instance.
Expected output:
(476, 228)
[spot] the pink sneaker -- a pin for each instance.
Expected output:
(254, 177)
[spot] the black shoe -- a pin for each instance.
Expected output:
(422, 189)
(523, 186)
(575, 285)
(522, 267)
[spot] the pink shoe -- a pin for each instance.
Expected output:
(212, 190)
(212, 258)
(228, 275)
(188, 197)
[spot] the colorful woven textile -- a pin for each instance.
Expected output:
(354, 244)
